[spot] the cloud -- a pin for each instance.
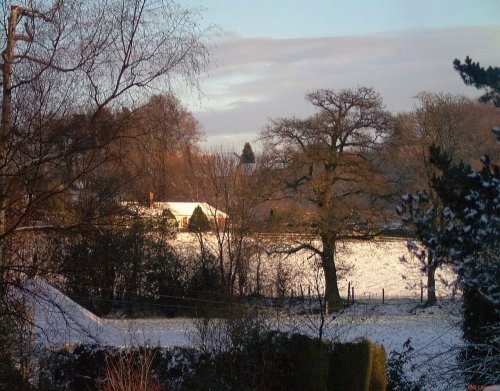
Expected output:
(255, 79)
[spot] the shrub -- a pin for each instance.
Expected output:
(79, 368)
(378, 377)
(398, 380)
(350, 365)
(358, 366)
(198, 222)
(129, 372)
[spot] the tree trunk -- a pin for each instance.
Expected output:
(431, 281)
(332, 295)
(5, 127)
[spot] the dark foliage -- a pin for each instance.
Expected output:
(198, 222)
(80, 368)
(11, 377)
(260, 361)
(397, 366)
(124, 269)
(473, 74)
(247, 155)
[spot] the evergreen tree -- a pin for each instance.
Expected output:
(247, 155)
(475, 75)
(469, 240)
(198, 222)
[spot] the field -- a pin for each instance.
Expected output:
(434, 332)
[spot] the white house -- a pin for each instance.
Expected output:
(181, 210)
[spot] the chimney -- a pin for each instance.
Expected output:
(150, 199)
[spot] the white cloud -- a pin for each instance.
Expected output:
(260, 78)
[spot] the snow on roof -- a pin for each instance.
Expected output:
(187, 208)
(178, 209)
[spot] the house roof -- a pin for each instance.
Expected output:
(178, 209)
(187, 208)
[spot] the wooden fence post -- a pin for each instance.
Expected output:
(352, 295)
(348, 292)
(383, 296)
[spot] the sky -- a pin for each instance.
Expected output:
(266, 55)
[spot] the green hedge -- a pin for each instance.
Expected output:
(267, 361)
(358, 366)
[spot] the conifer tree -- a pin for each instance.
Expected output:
(247, 155)
(474, 75)
(198, 222)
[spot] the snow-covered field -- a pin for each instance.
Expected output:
(376, 265)
(369, 266)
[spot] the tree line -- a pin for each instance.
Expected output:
(336, 175)
(81, 132)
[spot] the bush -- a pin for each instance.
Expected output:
(350, 366)
(85, 367)
(378, 378)
(398, 380)
(14, 357)
(358, 366)
(129, 372)
(269, 361)
(238, 352)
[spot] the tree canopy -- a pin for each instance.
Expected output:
(474, 74)
(247, 155)
(324, 163)
(198, 222)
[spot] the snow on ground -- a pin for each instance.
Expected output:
(369, 266)
(377, 265)
(59, 320)
(390, 325)
(434, 331)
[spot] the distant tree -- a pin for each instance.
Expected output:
(151, 153)
(247, 155)
(226, 185)
(448, 122)
(198, 222)
(469, 240)
(324, 164)
(475, 75)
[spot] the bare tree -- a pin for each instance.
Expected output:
(151, 151)
(239, 190)
(75, 57)
(459, 127)
(325, 164)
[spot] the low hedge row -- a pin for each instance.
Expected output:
(271, 361)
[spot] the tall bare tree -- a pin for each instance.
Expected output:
(326, 166)
(459, 127)
(156, 137)
(239, 190)
(71, 57)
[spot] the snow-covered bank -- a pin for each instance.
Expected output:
(434, 332)
(58, 320)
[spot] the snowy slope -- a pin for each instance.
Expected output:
(59, 320)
